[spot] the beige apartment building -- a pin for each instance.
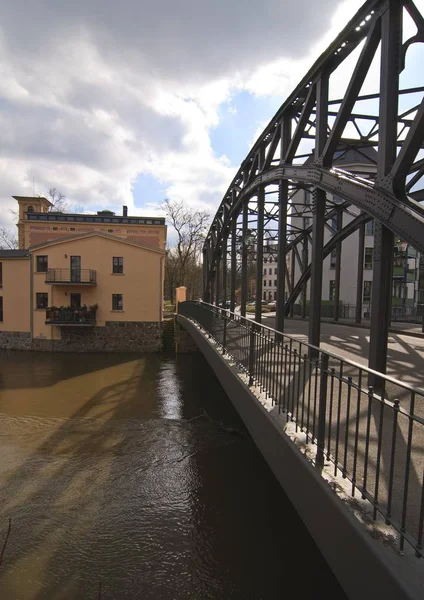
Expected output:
(82, 282)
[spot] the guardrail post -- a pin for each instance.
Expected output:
(322, 412)
(251, 353)
(224, 337)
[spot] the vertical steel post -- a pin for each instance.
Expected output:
(319, 198)
(338, 267)
(218, 278)
(283, 187)
(206, 294)
(259, 253)
(283, 192)
(391, 40)
(360, 275)
(292, 276)
(233, 264)
(225, 271)
(305, 259)
(244, 282)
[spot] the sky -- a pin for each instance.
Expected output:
(133, 102)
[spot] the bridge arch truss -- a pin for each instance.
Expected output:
(300, 179)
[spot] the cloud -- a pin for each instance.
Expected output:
(95, 93)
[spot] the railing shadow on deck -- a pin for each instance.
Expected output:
(373, 441)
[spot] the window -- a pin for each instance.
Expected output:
(118, 264)
(367, 291)
(369, 253)
(275, 282)
(117, 302)
(332, 289)
(369, 227)
(275, 295)
(1, 309)
(333, 256)
(1, 274)
(275, 271)
(42, 264)
(72, 229)
(42, 300)
(270, 259)
(75, 300)
(30, 209)
(110, 230)
(264, 271)
(264, 282)
(270, 283)
(264, 295)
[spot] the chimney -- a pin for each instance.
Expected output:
(125, 211)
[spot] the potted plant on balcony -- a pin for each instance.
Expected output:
(52, 313)
(92, 311)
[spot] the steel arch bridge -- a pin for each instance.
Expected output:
(298, 180)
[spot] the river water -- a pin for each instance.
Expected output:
(116, 490)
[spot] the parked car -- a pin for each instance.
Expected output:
(225, 304)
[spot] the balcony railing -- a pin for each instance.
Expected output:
(71, 316)
(71, 276)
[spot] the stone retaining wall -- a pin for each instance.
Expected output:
(116, 336)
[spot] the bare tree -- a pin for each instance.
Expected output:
(58, 200)
(183, 261)
(8, 241)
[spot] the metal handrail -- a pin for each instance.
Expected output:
(389, 378)
(369, 439)
(71, 276)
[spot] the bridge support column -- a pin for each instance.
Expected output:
(319, 198)
(391, 42)
(218, 279)
(233, 264)
(381, 302)
(360, 275)
(281, 264)
(224, 272)
(244, 246)
(260, 254)
(318, 210)
(338, 267)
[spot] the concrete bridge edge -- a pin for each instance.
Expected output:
(363, 566)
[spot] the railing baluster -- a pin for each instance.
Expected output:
(346, 442)
(379, 447)
(339, 408)
(407, 470)
(330, 417)
(392, 461)
(355, 452)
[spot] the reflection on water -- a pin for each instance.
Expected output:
(108, 478)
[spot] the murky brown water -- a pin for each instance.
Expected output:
(107, 479)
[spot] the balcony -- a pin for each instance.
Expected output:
(399, 272)
(84, 317)
(71, 277)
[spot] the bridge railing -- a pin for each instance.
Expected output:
(371, 442)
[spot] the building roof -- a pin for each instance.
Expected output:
(352, 155)
(32, 198)
(356, 155)
(14, 253)
(100, 217)
(107, 236)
